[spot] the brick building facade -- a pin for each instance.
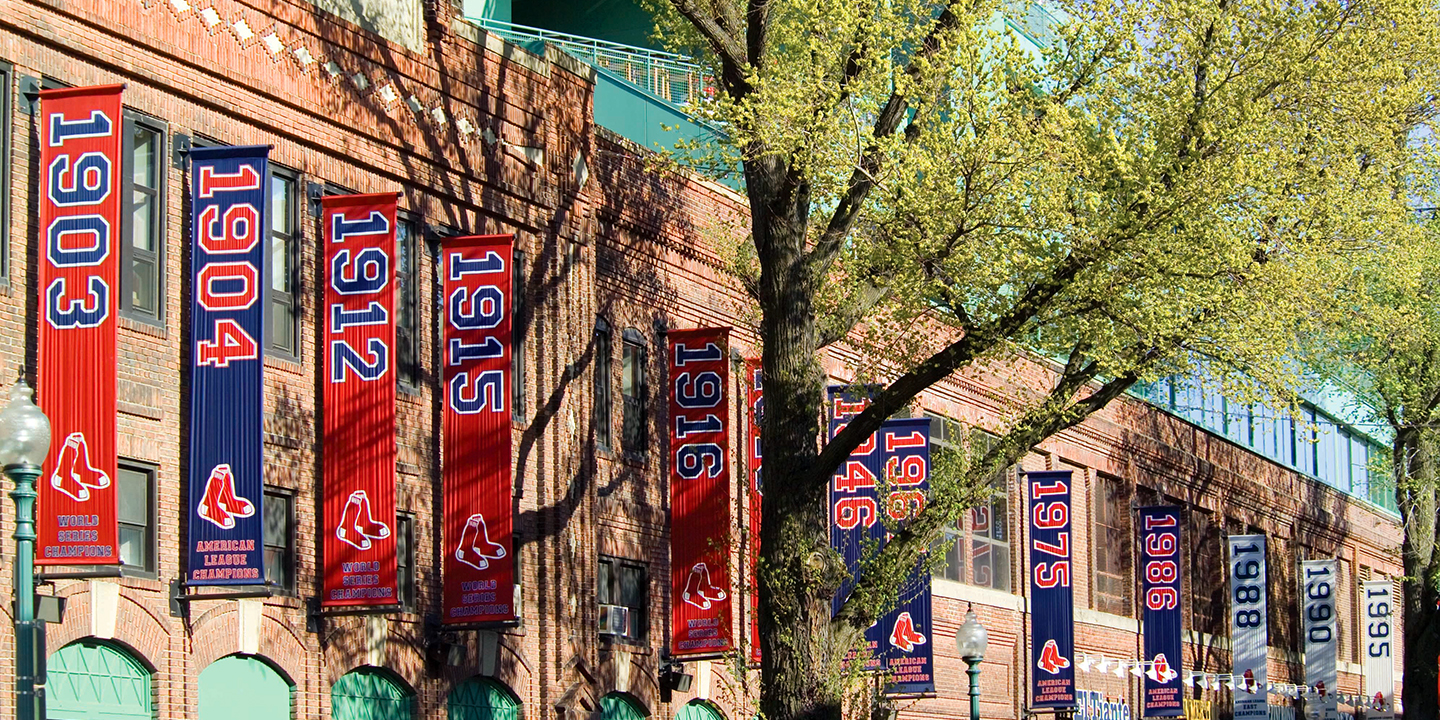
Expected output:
(480, 136)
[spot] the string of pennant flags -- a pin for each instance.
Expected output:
(1161, 672)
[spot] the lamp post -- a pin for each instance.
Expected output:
(24, 443)
(970, 640)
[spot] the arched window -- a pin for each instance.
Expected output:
(621, 706)
(370, 693)
(482, 699)
(91, 680)
(241, 687)
(698, 710)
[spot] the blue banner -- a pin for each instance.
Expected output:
(882, 484)
(230, 228)
(1160, 585)
(1052, 603)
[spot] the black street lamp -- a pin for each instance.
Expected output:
(970, 640)
(24, 443)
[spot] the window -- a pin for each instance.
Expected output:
(624, 582)
(142, 249)
(135, 486)
(519, 328)
(7, 74)
(982, 539)
(633, 393)
(602, 384)
(1207, 597)
(405, 558)
(407, 284)
(1111, 546)
(284, 262)
(280, 539)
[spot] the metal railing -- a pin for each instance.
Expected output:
(669, 76)
(1032, 19)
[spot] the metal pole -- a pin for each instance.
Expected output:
(974, 672)
(24, 496)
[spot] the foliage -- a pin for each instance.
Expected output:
(1169, 181)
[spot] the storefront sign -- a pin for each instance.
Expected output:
(1052, 618)
(358, 448)
(1319, 580)
(1375, 641)
(1091, 705)
(479, 562)
(700, 491)
(1160, 582)
(229, 229)
(1199, 709)
(1248, 626)
(79, 214)
(755, 405)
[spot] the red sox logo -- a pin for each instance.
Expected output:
(1051, 661)
(904, 635)
(1160, 667)
(1378, 702)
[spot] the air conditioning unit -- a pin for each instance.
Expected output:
(614, 619)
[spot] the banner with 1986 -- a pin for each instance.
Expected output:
(1248, 626)
(475, 347)
(700, 491)
(1052, 601)
(359, 400)
(79, 213)
(229, 228)
(1160, 587)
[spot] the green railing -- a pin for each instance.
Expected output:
(668, 76)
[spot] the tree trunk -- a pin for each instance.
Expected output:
(798, 571)
(1415, 475)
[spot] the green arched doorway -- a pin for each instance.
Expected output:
(91, 680)
(621, 706)
(698, 710)
(482, 699)
(241, 687)
(370, 693)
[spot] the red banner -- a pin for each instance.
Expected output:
(699, 491)
(479, 565)
(359, 441)
(80, 198)
(755, 401)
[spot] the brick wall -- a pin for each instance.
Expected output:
(494, 147)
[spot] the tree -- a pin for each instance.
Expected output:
(1383, 344)
(1164, 181)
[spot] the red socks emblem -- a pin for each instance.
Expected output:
(904, 635)
(73, 474)
(475, 548)
(1051, 661)
(357, 527)
(220, 505)
(698, 590)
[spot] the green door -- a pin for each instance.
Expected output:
(619, 706)
(237, 687)
(369, 694)
(481, 699)
(698, 710)
(90, 680)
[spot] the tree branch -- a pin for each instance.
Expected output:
(726, 47)
(879, 583)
